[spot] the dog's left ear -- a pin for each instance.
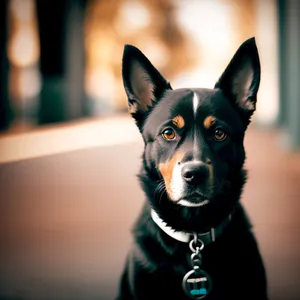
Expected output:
(143, 84)
(240, 80)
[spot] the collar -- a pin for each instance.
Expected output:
(185, 237)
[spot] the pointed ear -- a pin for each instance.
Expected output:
(143, 84)
(240, 80)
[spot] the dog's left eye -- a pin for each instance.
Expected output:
(169, 134)
(220, 134)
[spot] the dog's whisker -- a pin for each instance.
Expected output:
(159, 181)
(162, 192)
(159, 191)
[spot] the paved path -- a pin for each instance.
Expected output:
(65, 219)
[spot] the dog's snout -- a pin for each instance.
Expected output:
(194, 172)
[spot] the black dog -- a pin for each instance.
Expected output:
(193, 239)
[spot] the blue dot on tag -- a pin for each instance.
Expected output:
(197, 284)
(201, 291)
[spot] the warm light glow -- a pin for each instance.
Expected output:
(136, 17)
(149, 25)
(23, 47)
(190, 47)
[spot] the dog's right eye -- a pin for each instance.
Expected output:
(169, 134)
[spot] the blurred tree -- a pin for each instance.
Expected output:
(61, 60)
(6, 115)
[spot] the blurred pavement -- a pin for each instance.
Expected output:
(65, 219)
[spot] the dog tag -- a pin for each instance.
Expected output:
(196, 284)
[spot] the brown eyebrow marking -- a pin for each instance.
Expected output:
(209, 121)
(178, 121)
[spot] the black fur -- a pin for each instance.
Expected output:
(157, 263)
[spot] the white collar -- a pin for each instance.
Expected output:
(185, 237)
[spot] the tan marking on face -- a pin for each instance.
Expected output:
(166, 170)
(211, 170)
(211, 174)
(209, 121)
(178, 121)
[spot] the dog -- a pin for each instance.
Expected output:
(193, 239)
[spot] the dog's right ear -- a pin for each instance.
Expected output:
(143, 84)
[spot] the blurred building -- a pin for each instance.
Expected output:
(61, 60)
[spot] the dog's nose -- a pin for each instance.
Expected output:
(194, 172)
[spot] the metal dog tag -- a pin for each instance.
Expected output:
(196, 284)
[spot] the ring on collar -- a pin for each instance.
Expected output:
(196, 244)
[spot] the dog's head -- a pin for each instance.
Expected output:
(193, 138)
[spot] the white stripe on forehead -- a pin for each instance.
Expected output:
(195, 107)
(195, 103)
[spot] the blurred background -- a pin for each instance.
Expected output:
(69, 151)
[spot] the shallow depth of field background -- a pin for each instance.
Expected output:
(69, 152)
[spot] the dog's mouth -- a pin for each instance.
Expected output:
(194, 200)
